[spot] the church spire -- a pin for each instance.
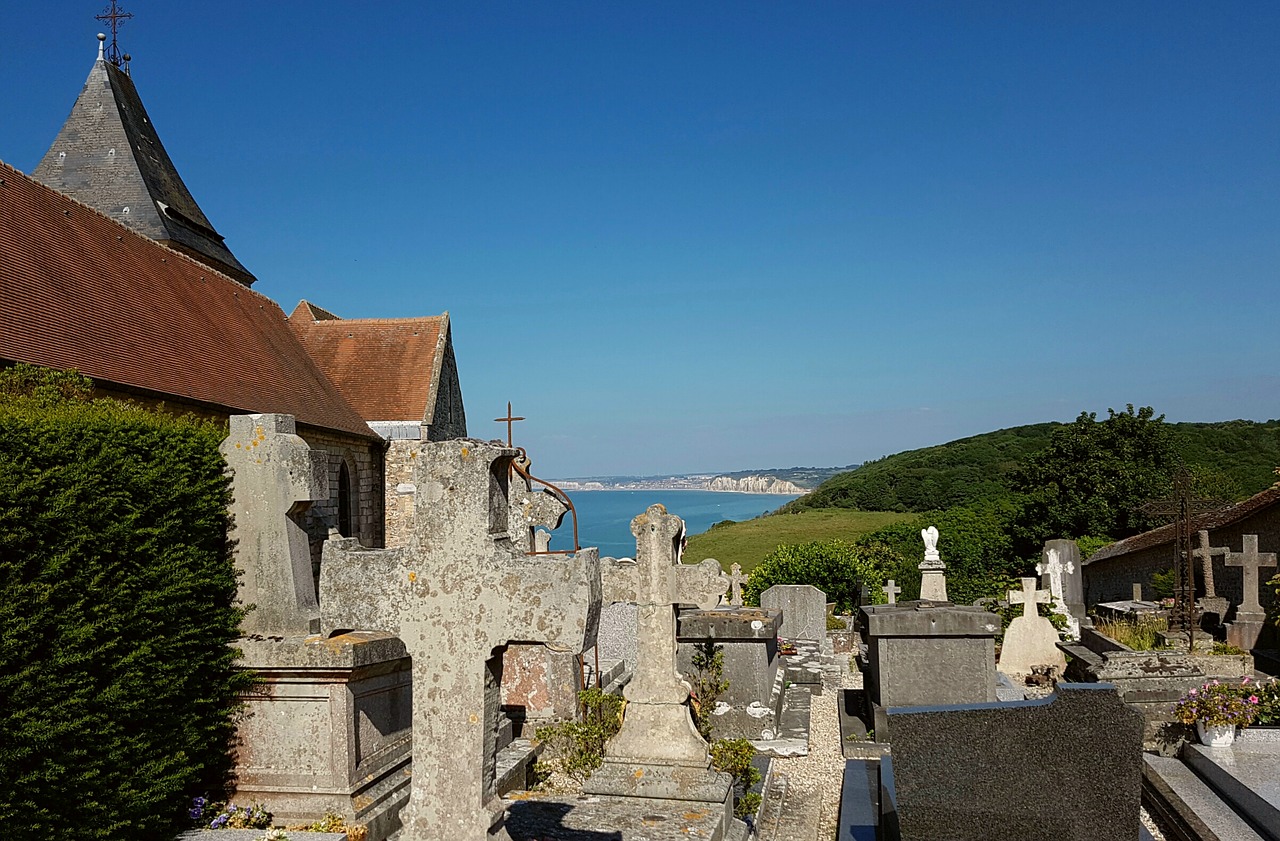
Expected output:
(109, 156)
(115, 17)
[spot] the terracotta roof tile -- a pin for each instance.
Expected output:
(78, 290)
(1165, 534)
(386, 367)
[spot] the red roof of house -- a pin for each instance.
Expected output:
(78, 290)
(1166, 534)
(388, 368)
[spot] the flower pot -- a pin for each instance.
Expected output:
(1216, 735)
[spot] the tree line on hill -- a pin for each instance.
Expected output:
(996, 498)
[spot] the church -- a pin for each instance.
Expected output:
(109, 266)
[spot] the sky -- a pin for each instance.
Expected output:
(721, 236)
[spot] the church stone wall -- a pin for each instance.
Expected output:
(364, 465)
(400, 490)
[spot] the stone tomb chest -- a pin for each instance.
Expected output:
(748, 637)
(925, 653)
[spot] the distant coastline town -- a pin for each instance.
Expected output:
(755, 484)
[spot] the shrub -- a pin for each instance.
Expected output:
(116, 613)
(733, 756)
(578, 746)
(707, 682)
(835, 567)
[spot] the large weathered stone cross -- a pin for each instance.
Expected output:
(658, 727)
(1250, 560)
(891, 591)
(736, 580)
(457, 596)
(1205, 553)
(1054, 569)
(1029, 597)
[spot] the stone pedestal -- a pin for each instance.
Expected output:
(1244, 630)
(540, 686)
(749, 638)
(927, 653)
(803, 607)
(328, 729)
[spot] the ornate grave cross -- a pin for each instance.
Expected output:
(114, 16)
(1205, 553)
(1182, 507)
(1029, 597)
(658, 727)
(508, 420)
(1054, 568)
(1250, 560)
(891, 591)
(736, 580)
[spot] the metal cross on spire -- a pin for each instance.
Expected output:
(508, 420)
(114, 15)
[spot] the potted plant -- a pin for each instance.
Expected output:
(1217, 708)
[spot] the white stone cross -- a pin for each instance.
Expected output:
(891, 591)
(658, 727)
(1029, 597)
(1205, 553)
(736, 580)
(1055, 569)
(1250, 560)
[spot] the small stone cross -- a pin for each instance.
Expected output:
(736, 580)
(1205, 553)
(1029, 597)
(1250, 560)
(891, 591)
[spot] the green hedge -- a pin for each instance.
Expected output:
(116, 614)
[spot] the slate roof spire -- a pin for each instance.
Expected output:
(109, 156)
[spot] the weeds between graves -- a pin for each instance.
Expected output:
(733, 757)
(707, 682)
(577, 747)
(1141, 634)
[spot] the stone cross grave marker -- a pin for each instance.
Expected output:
(456, 597)
(1053, 568)
(1250, 560)
(659, 752)
(736, 580)
(1030, 639)
(891, 591)
(933, 583)
(1205, 553)
(275, 478)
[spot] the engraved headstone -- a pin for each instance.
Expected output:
(1030, 640)
(1059, 571)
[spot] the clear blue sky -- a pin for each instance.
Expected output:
(715, 236)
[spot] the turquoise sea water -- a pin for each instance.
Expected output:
(604, 517)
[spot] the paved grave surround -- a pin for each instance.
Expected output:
(275, 478)
(1065, 767)
(804, 610)
(658, 752)
(456, 596)
(1030, 640)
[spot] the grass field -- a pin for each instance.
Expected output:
(748, 542)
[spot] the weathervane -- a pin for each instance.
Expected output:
(114, 15)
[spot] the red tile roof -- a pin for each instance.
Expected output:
(1165, 534)
(388, 368)
(78, 290)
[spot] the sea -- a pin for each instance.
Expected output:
(604, 517)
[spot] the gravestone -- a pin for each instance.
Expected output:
(736, 580)
(923, 652)
(748, 639)
(1244, 630)
(1211, 602)
(658, 752)
(933, 581)
(1061, 574)
(804, 610)
(326, 728)
(456, 596)
(891, 592)
(1064, 767)
(275, 478)
(1030, 640)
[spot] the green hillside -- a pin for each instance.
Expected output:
(1237, 457)
(749, 541)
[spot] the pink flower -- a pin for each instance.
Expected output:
(1253, 699)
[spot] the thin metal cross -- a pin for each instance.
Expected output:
(114, 15)
(508, 420)
(1182, 507)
